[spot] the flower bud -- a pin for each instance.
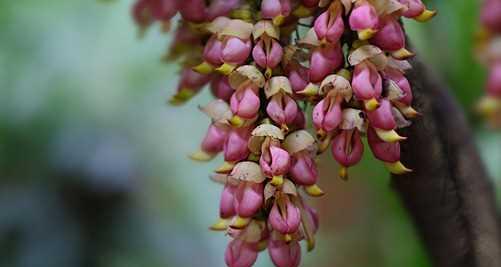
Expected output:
(382, 117)
(282, 109)
(248, 199)
(221, 8)
(240, 254)
(347, 148)
(364, 20)
(303, 169)
(274, 161)
(190, 84)
(235, 50)
(491, 15)
(276, 10)
(384, 151)
(327, 114)
(245, 103)
(235, 147)
(390, 36)
(284, 254)
(367, 84)
(298, 76)
(221, 88)
(193, 10)
(329, 26)
(402, 83)
(267, 53)
(213, 51)
(494, 80)
(284, 218)
(226, 203)
(325, 60)
(214, 139)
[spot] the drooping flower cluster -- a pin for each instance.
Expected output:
(489, 52)
(268, 62)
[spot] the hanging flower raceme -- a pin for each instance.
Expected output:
(489, 53)
(345, 72)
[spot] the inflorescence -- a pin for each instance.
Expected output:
(270, 64)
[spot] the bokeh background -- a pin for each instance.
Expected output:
(93, 166)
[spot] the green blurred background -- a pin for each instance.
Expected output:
(93, 162)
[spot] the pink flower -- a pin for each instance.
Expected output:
(286, 220)
(235, 147)
(325, 60)
(221, 88)
(494, 80)
(248, 199)
(491, 15)
(298, 76)
(245, 103)
(284, 254)
(235, 50)
(221, 8)
(402, 82)
(382, 117)
(347, 148)
(363, 17)
(282, 109)
(193, 10)
(213, 51)
(271, 9)
(329, 26)
(300, 120)
(274, 161)
(240, 254)
(145, 12)
(390, 36)
(384, 151)
(190, 84)
(414, 8)
(226, 203)
(214, 139)
(366, 83)
(303, 170)
(267, 53)
(327, 114)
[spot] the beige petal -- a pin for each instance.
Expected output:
(394, 91)
(310, 39)
(298, 141)
(401, 65)
(248, 171)
(353, 118)
(255, 143)
(268, 130)
(218, 110)
(244, 75)
(266, 26)
(238, 28)
(277, 84)
(368, 52)
(337, 85)
(218, 25)
(401, 121)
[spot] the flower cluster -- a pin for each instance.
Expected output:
(269, 63)
(489, 52)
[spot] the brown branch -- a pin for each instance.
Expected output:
(448, 195)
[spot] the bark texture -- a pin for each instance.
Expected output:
(449, 195)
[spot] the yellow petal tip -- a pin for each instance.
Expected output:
(277, 180)
(201, 156)
(426, 15)
(226, 167)
(314, 190)
(402, 54)
(389, 136)
(240, 222)
(397, 168)
(220, 225)
(371, 105)
(366, 34)
(203, 68)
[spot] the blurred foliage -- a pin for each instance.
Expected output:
(93, 163)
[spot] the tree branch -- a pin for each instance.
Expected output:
(448, 195)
